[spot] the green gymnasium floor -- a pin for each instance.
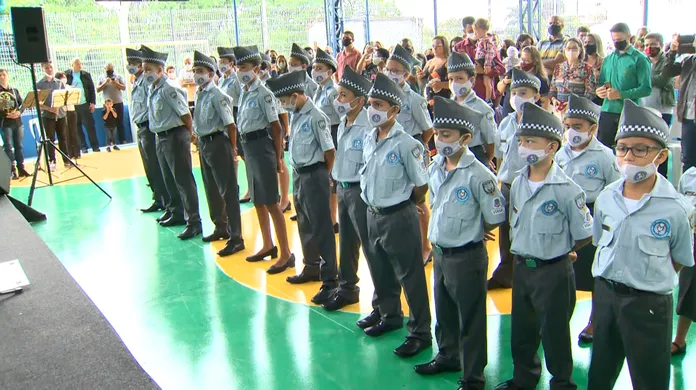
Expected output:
(191, 326)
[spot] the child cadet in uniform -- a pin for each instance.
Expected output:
(549, 221)
(415, 120)
(260, 134)
(393, 181)
(524, 88)
(170, 119)
(467, 204)
(352, 211)
(146, 138)
(460, 72)
(311, 157)
(323, 69)
(214, 126)
(644, 238)
(592, 166)
(300, 61)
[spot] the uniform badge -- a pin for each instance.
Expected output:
(489, 116)
(489, 187)
(252, 104)
(407, 107)
(580, 201)
(392, 158)
(268, 99)
(416, 152)
(305, 128)
(224, 102)
(424, 105)
(324, 102)
(498, 206)
(549, 207)
(591, 170)
(461, 194)
(322, 123)
(660, 228)
(173, 95)
(587, 220)
(357, 144)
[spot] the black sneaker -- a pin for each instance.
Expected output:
(116, 147)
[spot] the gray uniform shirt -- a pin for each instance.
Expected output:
(310, 136)
(508, 149)
(230, 85)
(324, 97)
(213, 111)
(167, 103)
(349, 151)
(637, 249)
(488, 131)
(51, 85)
(311, 87)
(592, 169)
(547, 223)
(257, 108)
(461, 201)
(110, 91)
(138, 106)
(393, 167)
(414, 116)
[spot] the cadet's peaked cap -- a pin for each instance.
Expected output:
(287, 84)
(355, 82)
(538, 122)
(133, 55)
(153, 57)
(642, 122)
(459, 62)
(226, 52)
(448, 114)
(384, 88)
(298, 53)
(521, 78)
(403, 56)
(247, 54)
(583, 108)
(325, 58)
(200, 59)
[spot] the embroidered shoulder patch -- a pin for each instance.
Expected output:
(489, 186)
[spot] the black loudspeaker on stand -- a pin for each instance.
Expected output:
(31, 45)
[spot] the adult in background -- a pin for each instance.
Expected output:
(531, 62)
(349, 56)
(112, 85)
(686, 105)
(625, 74)
(551, 49)
(582, 32)
(82, 80)
(11, 129)
(71, 138)
(468, 44)
(53, 117)
(572, 76)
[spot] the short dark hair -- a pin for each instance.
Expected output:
(349, 33)
(483, 23)
(382, 53)
(620, 28)
(656, 36)
(583, 29)
(468, 21)
(169, 67)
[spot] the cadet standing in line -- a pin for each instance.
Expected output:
(644, 238)
(524, 88)
(170, 119)
(260, 133)
(352, 211)
(415, 120)
(323, 69)
(214, 126)
(300, 61)
(460, 72)
(549, 221)
(146, 138)
(393, 181)
(592, 166)
(311, 157)
(467, 205)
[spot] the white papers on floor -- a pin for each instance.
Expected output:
(12, 276)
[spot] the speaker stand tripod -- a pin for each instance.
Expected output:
(42, 151)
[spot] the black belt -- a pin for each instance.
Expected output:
(459, 249)
(390, 209)
(347, 184)
(144, 124)
(532, 262)
(253, 135)
(209, 137)
(310, 168)
(623, 289)
(167, 132)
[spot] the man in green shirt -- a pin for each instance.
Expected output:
(625, 75)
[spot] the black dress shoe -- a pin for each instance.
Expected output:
(381, 328)
(272, 270)
(173, 221)
(216, 236)
(273, 253)
(294, 218)
(339, 302)
(154, 207)
(190, 232)
(22, 172)
(435, 367)
(307, 275)
(411, 347)
(231, 248)
(165, 216)
(324, 295)
(509, 385)
(371, 320)
(245, 200)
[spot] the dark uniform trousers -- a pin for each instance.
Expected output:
(147, 145)
(635, 325)
(174, 155)
(460, 310)
(507, 259)
(220, 183)
(84, 117)
(543, 300)
(608, 126)
(394, 254)
(311, 194)
(352, 219)
(57, 127)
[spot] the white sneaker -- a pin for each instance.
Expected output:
(52, 166)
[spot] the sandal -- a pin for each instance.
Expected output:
(678, 350)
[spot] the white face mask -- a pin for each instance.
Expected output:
(461, 89)
(294, 68)
(201, 79)
(376, 60)
(636, 174)
(132, 69)
(447, 149)
(320, 77)
(377, 118)
(149, 77)
(576, 138)
(343, 108)
(531, 156)
(397, 78)
(224, 68)
(517, 101)
(245, 77)
(290, 107)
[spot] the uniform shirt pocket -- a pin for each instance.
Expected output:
(590, 184)
(158, 104)
(457, 217)
(659, 265)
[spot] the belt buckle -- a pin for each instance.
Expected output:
(438, 249)
(344, 184)
(530, 263)
(374, 209)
